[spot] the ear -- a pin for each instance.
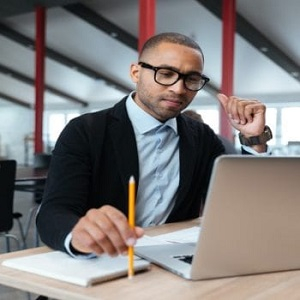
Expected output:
(134, 72)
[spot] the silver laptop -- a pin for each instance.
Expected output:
(251, 222)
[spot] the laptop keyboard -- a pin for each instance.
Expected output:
(185, 258)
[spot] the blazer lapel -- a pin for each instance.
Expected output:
(122, 135)
(187, 157)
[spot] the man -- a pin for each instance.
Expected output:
(171, 156)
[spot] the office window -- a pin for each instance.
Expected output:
(271, 121)
(210, 117)
(290, 124)
(56, 123)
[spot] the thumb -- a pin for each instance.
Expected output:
(139, 231)
(222, 99)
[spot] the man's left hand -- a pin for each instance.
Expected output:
(245, 115)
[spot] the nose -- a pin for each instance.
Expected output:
(178, 87)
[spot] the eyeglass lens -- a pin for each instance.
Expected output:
(192, 82)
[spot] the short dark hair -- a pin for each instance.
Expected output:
(170, 37)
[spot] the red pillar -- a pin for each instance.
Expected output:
(39, 77)
(146, 21)
(229, 19)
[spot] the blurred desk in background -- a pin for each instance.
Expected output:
(31, 174)
(30, 179)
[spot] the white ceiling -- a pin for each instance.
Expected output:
(255, 75)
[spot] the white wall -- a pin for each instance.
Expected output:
(15, 123)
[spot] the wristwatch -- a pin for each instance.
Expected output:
(257, 140)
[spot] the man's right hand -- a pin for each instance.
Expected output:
(104, 230)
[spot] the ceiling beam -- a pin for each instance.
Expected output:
(15, 101)
(257, 39)
(102, 24)
(9, 8)
(62, 59)
(25, 79)
(114, 31)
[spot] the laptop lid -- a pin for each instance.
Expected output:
(250, 224)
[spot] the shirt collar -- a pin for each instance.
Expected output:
(142, 121)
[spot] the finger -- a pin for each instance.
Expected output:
(241, 111)
(231, 108)
(113, 242)
(139, 232)
(223, 99)
(121, 223)
(96, 233)
(249, 110)
(229, 105)
(83, 240)
(241, 108)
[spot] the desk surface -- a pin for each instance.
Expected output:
(30, 174)
(156, 283)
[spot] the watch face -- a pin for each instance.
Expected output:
(268, 132)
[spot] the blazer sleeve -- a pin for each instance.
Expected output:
(66, 195)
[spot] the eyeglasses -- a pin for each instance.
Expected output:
(167, 76)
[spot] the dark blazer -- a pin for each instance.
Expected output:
(93, 159)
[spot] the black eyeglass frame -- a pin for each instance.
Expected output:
(180, 76)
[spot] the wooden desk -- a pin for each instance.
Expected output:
(29, 179)
(30, 174)
(156, 283)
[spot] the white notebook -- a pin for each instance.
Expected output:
(83, 272)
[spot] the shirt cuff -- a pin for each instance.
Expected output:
(251, 151)
(73, 253)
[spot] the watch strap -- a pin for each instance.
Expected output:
(265, 136)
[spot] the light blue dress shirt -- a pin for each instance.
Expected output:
(158, 154)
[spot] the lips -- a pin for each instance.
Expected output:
(175, 100)
(173, 103)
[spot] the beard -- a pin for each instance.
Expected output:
(163, 106)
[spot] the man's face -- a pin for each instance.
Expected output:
(165, 102)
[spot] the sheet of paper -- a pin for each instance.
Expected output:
(189, 235)
(147, 240)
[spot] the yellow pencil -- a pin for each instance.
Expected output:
(131, 220)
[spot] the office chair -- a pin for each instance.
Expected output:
(41, 161)
(7, 216)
